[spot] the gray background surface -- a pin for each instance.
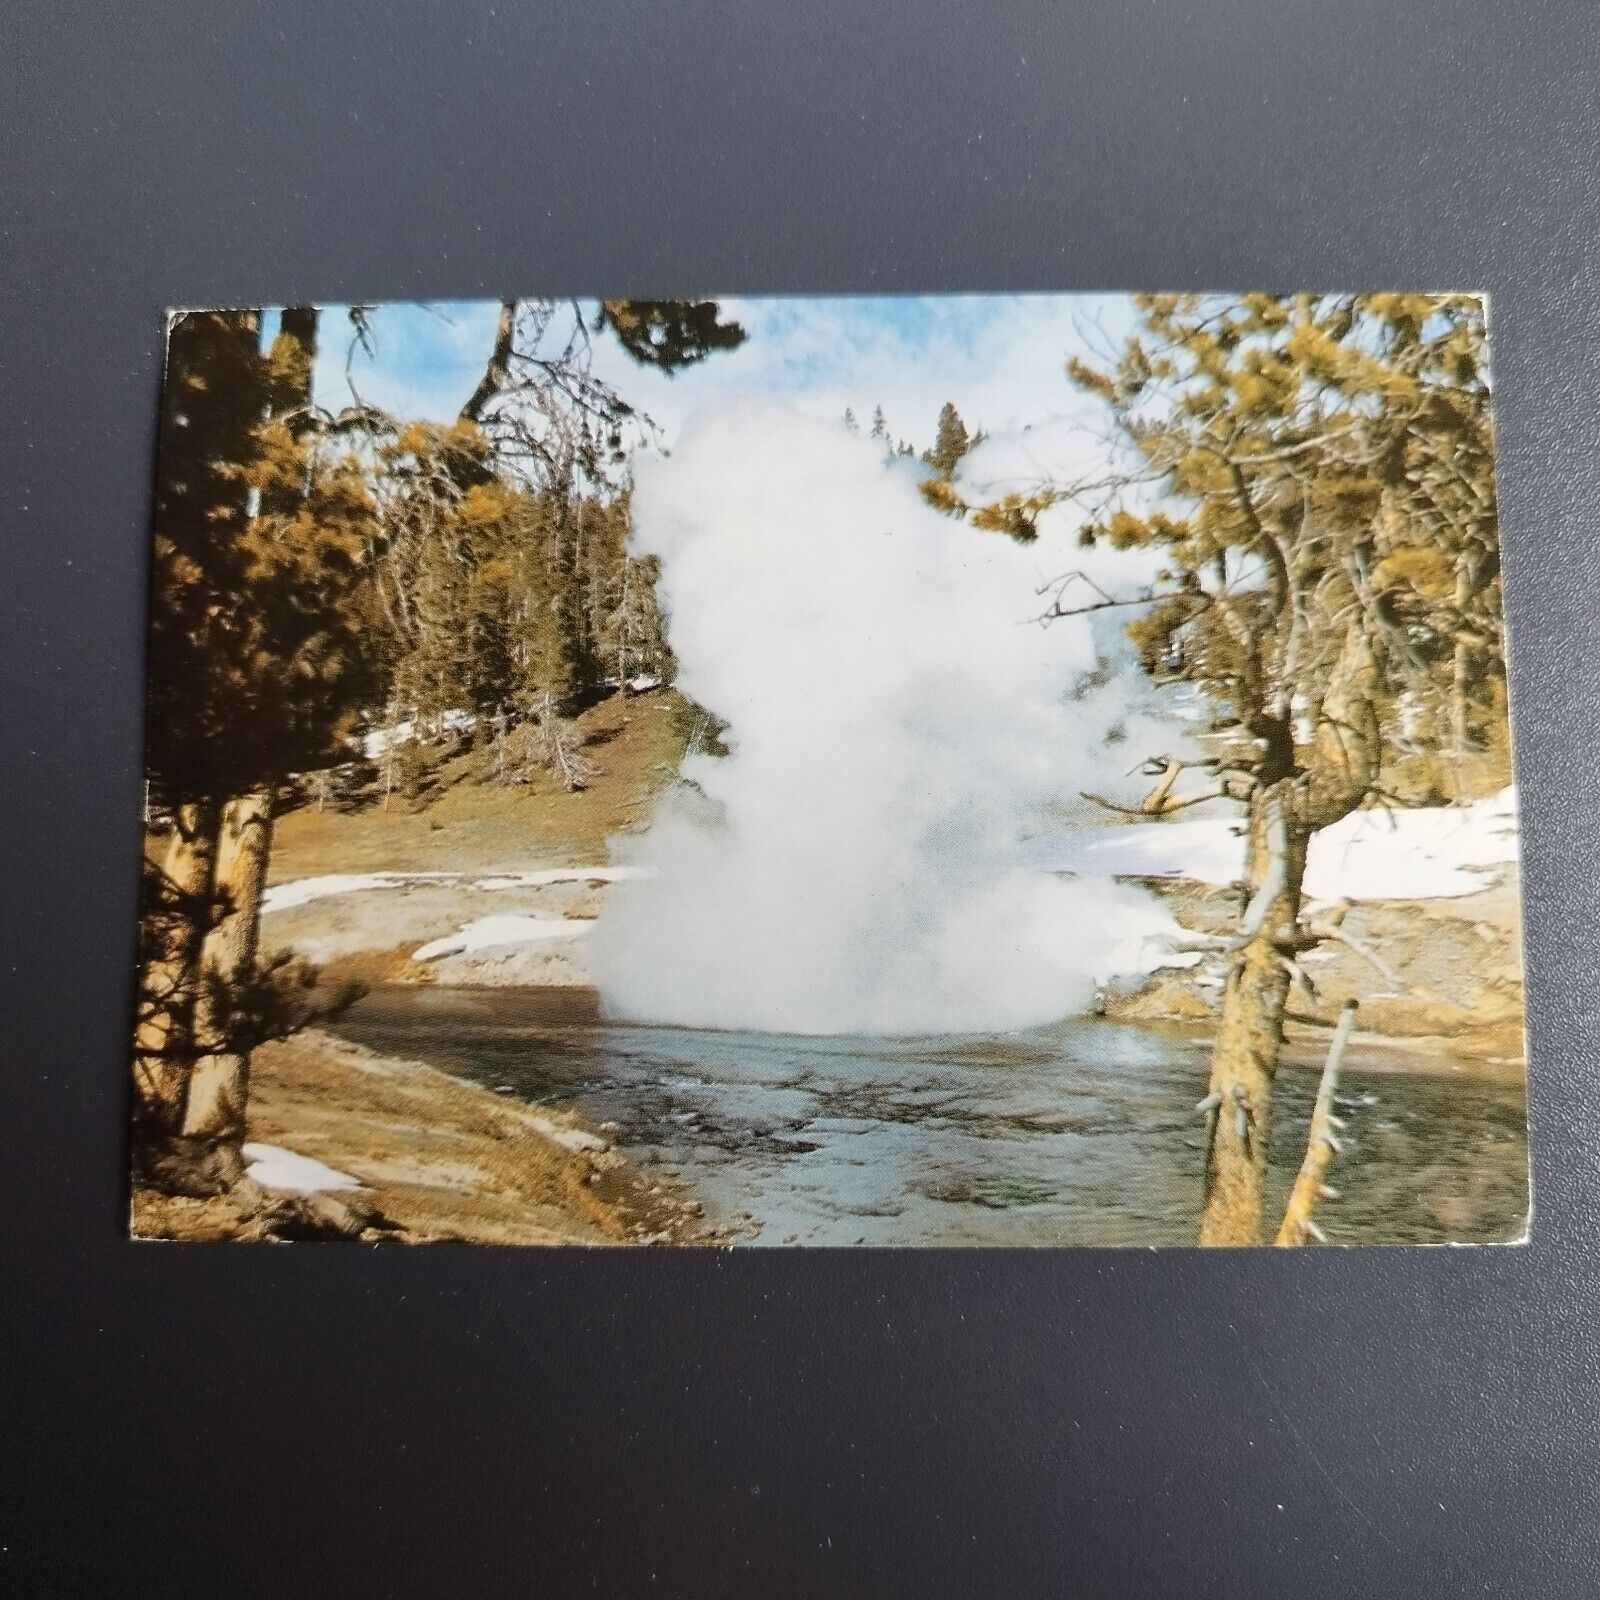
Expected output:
(334, 1420)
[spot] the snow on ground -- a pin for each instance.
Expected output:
(276, 1168)
(1427, 854)
(285, 896)
(378, 741)
(569, 1138)
(492, 932)
(1432, 853)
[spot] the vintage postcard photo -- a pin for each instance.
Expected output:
(985, 770)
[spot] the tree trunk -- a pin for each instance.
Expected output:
(1461, 678)
(170, 982)
(1336, 774)
(1298, 1223)
(498, 371)
(1244, 1057)
(219, 1082)
(1460, 691)
(1458, 721)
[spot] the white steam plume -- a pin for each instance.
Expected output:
(898, 725)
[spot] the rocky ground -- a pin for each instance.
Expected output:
(1453, 990)
(372, 934)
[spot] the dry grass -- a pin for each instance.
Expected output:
(365, 969)
(437, 1158)
(633, 742)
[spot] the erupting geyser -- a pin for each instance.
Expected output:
(897, 725)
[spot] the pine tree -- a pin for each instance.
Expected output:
(950, 443)
(257, 663)
(212, 404)
(1329, 562)
(314, 571)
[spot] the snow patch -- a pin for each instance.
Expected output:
(302, 891)
(1432, 853)
(286, 896)
(276, 1168)
(574, 1139)
(376, 742)
(493, 932)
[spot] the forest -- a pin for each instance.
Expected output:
(317, 573)
(1282, 547)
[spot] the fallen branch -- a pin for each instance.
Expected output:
(1332, 931)
(1321, 1144)
(1164, 807)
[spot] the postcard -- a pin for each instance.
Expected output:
(1014, 770)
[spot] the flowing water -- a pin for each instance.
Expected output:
(1083, 1132)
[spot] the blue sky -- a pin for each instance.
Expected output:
(999, 358)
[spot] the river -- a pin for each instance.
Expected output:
(1081, 1133)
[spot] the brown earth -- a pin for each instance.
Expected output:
(437, 1158)
(634, 742)
(475, 828)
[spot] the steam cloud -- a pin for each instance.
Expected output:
(897, 728)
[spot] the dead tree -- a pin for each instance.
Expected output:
(1322, 1144)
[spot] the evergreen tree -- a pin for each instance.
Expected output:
(313, 572)
(257, 665)
(1329, 560)
(950, 443)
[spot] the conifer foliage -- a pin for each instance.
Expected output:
(258, 664)
(1328, 578)
(950, 442)
(317, 575)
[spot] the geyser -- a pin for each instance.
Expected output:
(898, 723)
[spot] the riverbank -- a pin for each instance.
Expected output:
(1082, 1132)
(347, 1142)
(1439, 982)
(483, 886)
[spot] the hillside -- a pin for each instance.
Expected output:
(464, 820)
